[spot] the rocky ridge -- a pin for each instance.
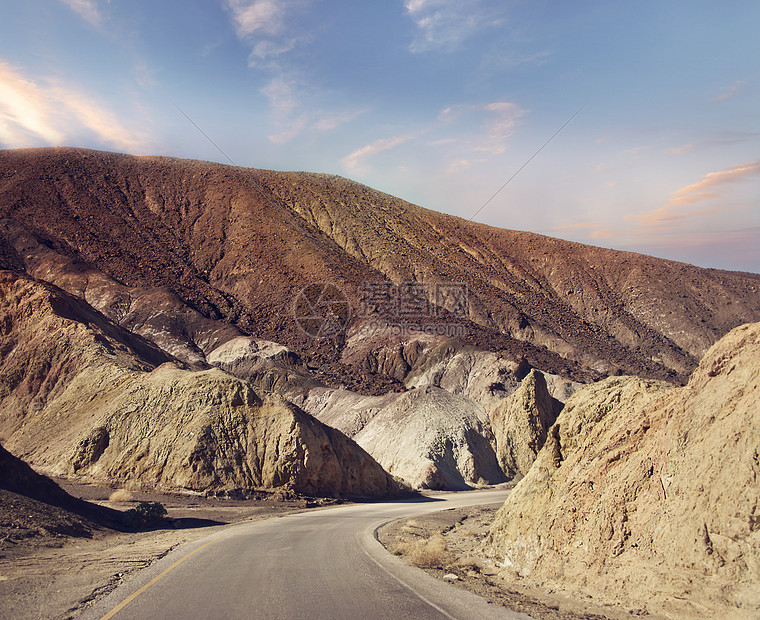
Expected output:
(92, 407)
(647, 494)
(239, 244)
(202, 266)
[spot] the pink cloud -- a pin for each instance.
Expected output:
(669, 215)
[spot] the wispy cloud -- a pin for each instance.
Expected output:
(333, 121)
(266, 25)
(283, 102)
(356, 160)
(25, 117)
(575, 226)
(726, 138)
(672, 214)
(500, 127)
(48, 112)
(258, 16)
(290, 116)
(732, 91)
(88, 10)
(498, 121)
(270, 28)
(444, 24)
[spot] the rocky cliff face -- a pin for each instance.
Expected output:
(647, 493)
(433, 439)
(77, 399)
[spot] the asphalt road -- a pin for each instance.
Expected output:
(318, 564)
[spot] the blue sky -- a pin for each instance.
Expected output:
(439, 102)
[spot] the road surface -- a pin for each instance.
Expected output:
(317, 564)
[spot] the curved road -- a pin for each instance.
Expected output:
(318, 564)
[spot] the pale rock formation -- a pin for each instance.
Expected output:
(520, 423)
(81, 397)
(647, 495)
(433, 439)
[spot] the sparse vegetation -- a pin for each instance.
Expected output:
(424, 552)
(121, 495)
(145, 514)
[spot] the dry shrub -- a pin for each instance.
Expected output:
(121, 495)
(426, 553)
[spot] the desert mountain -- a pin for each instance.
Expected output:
(164, 323)
(207, 242)
(648, 493)
(81, 396)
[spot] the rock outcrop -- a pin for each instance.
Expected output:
(428, 437)
(520, 423)
(433, 439)
(647, 494)
(79, 396)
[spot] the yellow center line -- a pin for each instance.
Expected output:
(128, 600)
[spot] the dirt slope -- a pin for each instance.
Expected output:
(32, 505)
(648, 494)
(238, 245)
(79, 396)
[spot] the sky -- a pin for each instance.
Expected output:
(629, 125)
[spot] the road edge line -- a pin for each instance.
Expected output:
(153, 581)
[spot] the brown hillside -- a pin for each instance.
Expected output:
(34, 505)
(237, 245)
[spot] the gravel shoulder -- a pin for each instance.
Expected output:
(447, 544)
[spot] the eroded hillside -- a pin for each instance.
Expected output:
(647, 494)
(159, 321)
(238, 245)
(82, 397)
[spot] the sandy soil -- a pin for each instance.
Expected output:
(47, 575)
(459, 561)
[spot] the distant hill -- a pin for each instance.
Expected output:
(228, 250)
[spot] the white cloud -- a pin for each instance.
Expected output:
(444, 24)
(458, 165)
(267, 26)
(25, 112)
(281, 94)
(88, 10)
(287, 117)
(498, 121)
(264, 51)
(333, 121)
(258, 16)
(356, 160)
(501, 127)
(732, 91)
(45, 112)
